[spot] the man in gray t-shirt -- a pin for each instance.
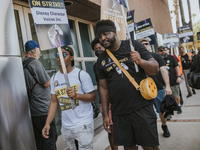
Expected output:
(38, 82)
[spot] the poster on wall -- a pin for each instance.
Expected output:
(130, 23)
(112, 10)
(170, 40)
(51, 23)
(144, 29)
(185, 34)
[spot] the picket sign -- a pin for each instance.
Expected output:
(131, 43)
(65, 74)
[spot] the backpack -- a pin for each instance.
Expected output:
(25, 66)
(94, 105)
(193, 74)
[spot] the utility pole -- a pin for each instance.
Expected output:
(176, 13)
(182, 12)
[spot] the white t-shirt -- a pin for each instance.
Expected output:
(83, 114)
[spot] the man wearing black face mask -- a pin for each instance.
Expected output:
(98, 49)
(171, 66)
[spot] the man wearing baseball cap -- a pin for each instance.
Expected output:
(133, 116)
(37, 84)
(77, 124)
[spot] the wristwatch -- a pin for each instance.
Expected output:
(179, 76)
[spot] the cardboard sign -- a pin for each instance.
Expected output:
(111, 9)
(144, 29)
(130, 23)
(185, 34)
(170, 40)
(51, 23)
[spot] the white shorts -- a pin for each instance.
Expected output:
(83, 134)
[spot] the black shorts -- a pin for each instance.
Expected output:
(139, 127)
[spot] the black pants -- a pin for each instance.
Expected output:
(42, 143)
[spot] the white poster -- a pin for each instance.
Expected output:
(51, 23)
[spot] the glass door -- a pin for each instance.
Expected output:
(47, 56)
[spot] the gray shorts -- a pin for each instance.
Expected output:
(175, 91)
(83, 134)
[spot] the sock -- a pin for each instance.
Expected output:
(179, 104)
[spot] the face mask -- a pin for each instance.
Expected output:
(98, 53)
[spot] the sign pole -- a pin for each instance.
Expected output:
(131, 43)
(65, 74)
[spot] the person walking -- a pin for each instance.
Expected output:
(185, 61)
(76, 123)
(38, 82)
(172, 68)
(133, 116)
(98, 49)
(159, 78)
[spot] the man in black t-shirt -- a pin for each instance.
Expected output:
(162, 75)
(185, 63)
(133, 116)
(98, 49)
(171, 66)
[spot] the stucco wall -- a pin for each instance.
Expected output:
(157, 10)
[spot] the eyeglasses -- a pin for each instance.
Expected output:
(57, 55)
(145, 44)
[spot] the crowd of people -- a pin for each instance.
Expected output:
(128, 117)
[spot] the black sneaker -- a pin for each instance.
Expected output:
(193, 91)
(166, 131)
(179, 111)
(189, 95)
(181, 102)
(169, 117)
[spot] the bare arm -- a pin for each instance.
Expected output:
(150, 66)
(179, 74)
(47, 84)
(104, 96)
(165, 76)
(51, 114)
(88, 97)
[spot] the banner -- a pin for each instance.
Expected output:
(170, 40)
(111, 9)
(51, 23)
(130, 23)
(144, 29)
(185, 34)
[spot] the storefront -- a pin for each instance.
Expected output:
(82, 32)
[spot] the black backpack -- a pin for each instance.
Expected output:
(95, 108)
(25, 66)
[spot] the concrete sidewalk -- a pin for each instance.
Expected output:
(184, 128)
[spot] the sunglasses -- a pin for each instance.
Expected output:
(145, 43)
(57, 55)
(161, 50)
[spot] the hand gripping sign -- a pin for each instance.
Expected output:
(52, 28)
